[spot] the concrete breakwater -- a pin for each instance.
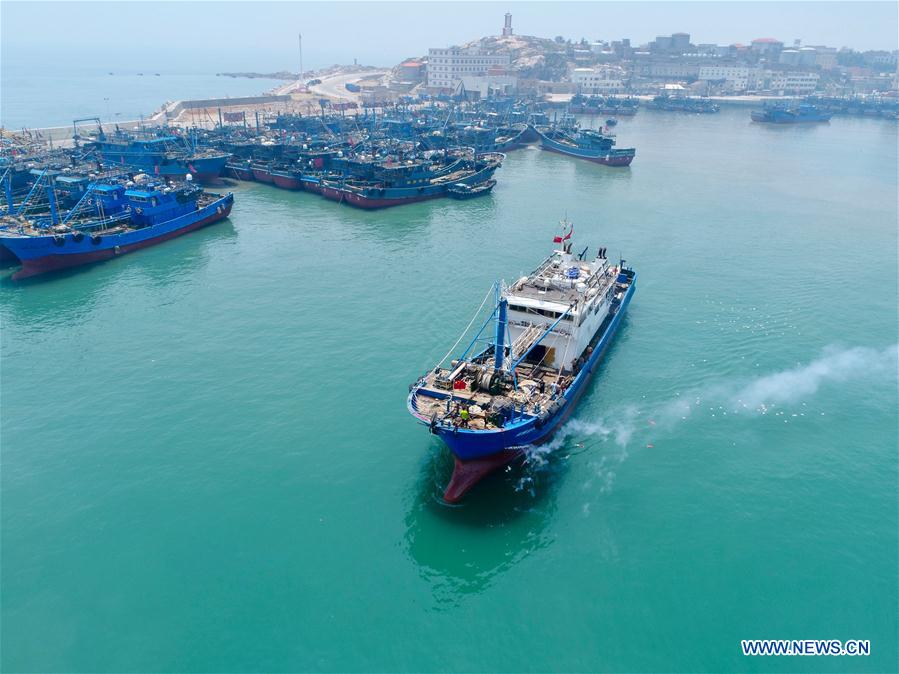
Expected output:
(62, 135)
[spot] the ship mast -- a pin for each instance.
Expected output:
(300, 39)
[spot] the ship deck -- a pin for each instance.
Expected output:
(437, 389)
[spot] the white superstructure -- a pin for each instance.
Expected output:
(577, 290)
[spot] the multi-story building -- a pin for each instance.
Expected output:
(675, 69)
(767, 46)
(597, 80)
(410, 71)
(735, 78)
(789, 57)
(447, 67)
(680, 42)
(880, 58)
(677, 43)
(793, 82)
(826, 57)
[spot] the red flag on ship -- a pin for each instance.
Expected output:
(560, 239)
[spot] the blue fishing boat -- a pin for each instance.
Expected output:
(109, 220)
(163, 156)
(781, 114)
(695, 104)
(516, 387)
(465, 191)
(595, 105)
(585, 144)
(404, 182)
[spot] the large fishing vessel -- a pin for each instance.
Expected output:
(599, 105)
(779, 114)
(109, 220)
(164, 156)
(404, 182)
(587, 144)
(684, 104)
(550, 330)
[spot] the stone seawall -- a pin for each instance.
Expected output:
(62, 135)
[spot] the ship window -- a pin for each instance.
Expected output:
(542, 312)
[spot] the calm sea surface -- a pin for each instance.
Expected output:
(208, 464)
(53, 94)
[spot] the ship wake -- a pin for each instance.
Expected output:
(787, 393)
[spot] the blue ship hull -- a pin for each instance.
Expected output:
(41, 254)
(203, 169)
(383, 197)
(789, 116)
(476, 445)
(611, 157)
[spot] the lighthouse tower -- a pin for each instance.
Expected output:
(507, 28)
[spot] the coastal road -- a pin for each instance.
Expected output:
(334, 86)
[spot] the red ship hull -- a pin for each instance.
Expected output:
(286, 182)
(263, 175)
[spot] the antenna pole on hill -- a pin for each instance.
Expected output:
(300, 37)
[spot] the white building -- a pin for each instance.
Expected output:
(789, 57)
(447, 67)
(485, 85)
(736, 78)
(597, 81)
(790, 82)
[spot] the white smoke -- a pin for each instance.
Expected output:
(761, 395)
(803, 381)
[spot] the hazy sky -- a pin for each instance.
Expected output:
(262, 36)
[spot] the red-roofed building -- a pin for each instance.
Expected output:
(767, 45)
(411, 71)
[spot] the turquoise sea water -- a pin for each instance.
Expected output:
(207, 464)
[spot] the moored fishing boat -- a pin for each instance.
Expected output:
(695, 104)
(287, 178)
(409, 182)
(109, 221)
(585, 144)
(163, 156)
(596, 105)
(240, 170)
(780, 114)
(465, 191)
(550, 331)
(510, 138)
(262, 173)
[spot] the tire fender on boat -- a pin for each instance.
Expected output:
(77, 236)
(218, 209)
(548, 414)
(95, 239)
(59, 240)
(118, 250)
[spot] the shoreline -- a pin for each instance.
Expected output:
(287, 98)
